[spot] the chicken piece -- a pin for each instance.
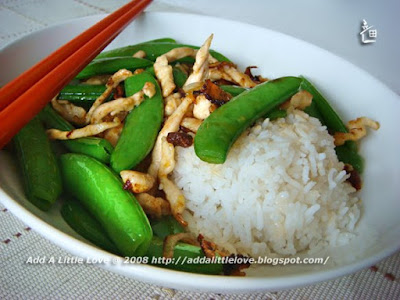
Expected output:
(112, 83)
(164, 74)
(70, 112)
(200, 67)
(191, 123)
(357, 130)
(170, 125)
(202, 107)
(215, 74)
(122, 104)
(240, 78)
(153, 206)
(167, 164)
(175, 198)
(139, 54)
(137, 182)
(171, 103)
(300, 100)
(88, 130)
(112, 135)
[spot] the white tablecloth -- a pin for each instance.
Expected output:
(333, 25)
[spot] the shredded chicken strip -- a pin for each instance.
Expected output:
(137, 182)
(167, 163)
(175, 198)
(170, 125)
(122, 104)
(153, 206)
(70, 112)
(171, 103)
(215, 74)
(202, 107)
(112, 83)
(191, 123)
(240, 78)
(357, 130)
(200, 67)
(88, 130)
(97, 80)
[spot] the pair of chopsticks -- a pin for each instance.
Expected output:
(24, 97)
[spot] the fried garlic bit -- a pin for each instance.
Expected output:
(300, 100)
(229, 72)
(122, 104)
(139, 54)
(112, 83)
(153, 206)
(170, 125)
(191, 124)
(70, 112)
(88, 130)
(357, 130)
(200, 67)
(138, 182)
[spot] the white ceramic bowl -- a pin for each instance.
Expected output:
(351, 91)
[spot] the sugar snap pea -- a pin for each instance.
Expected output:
(98, 148)
(347, 153)
(165, 226)
(82, 94)
(100, 190)
(40, 172)
(111, 65)
(83, 223)
(141, 125)
(153, 50)
(234, 90)
(186, 251)
(219, 131)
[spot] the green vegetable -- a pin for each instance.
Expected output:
(161, 40)
(100, 190)
(165, 226)
(219, 131)
(113, 64)
(82, 94)
(98, 148)
(234, 90)
(153, 50)
(346, 153)
(183, 252)
(81, 221)
(141, 125)
(276, 113)
(41, 175)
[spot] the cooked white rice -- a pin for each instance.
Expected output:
(281, 190)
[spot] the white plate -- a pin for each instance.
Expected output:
(351, 91)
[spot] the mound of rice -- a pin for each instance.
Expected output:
(282, 190)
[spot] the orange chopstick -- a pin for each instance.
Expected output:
(19, 85)
(32, 100)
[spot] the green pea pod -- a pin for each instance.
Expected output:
(111, 65)
(161, 40)
(183, 253)
(82, 94)
(153, 50)
(83, 223)
(165, 226)
(41, 175)
(234, 90)
(100, 190)
(220, 130)
(98, 148)
(276, 113)
(141, 125)
(346, 153)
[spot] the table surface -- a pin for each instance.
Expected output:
(332, 25)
